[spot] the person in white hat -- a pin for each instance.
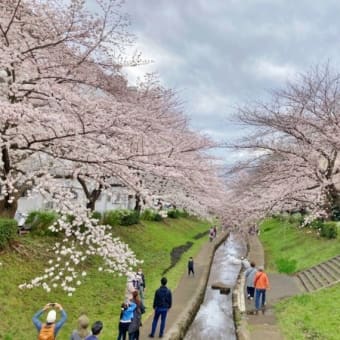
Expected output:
(50, 329)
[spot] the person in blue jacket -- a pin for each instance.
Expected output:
(126, 316)
(51, 318)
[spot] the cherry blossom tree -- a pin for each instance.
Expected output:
(296, 145)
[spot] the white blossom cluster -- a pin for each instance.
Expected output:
(83, 237)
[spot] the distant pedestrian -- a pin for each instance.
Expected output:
(261, 284)
(191, 266)
(249, 275)
(162, 302)
(50, 329)
(82, 331)
(211, 234)
(96, 329)
(142, 284)
(215, 231)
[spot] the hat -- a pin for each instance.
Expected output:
(83, 323)
(51, 316)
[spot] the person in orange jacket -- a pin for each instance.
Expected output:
(261, 284)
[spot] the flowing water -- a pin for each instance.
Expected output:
(214, 319)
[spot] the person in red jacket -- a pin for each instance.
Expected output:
(261, 284)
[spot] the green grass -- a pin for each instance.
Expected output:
(308, 316)
(101, 295)
(282, 239)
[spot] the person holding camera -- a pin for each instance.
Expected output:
(126, 316)
(50, 329)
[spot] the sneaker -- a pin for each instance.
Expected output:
(251, 298)
(150, 336)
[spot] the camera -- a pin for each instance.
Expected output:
(52, 304)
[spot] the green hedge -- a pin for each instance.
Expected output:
(176, 213)
(8, 231)
(150, 215)
(122, 217)
(329, 230)
(40, 221)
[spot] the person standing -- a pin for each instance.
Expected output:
(96, 329)
(136, 321)
(191, 266)
(142, 285)
(249, 275)
(162, 302)
(126, 316)
(82, 331)
(50, 329)
(261, 284)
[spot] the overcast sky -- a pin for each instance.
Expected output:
(221, 53)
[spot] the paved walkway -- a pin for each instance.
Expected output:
(264, 326)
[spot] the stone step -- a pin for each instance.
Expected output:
(306, 281)
(333, 268)
(335, 275)
(321, 276)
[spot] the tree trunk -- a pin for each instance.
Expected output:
(8, 209)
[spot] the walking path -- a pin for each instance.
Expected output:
(188, 295)
(190, 291)
(264, 326)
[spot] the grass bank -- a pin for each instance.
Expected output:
(308, 316)
(102, 293)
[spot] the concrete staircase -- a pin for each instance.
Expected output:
(323, 275)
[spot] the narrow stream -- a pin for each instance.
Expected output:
(214, 319)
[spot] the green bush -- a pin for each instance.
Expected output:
(316, 224)
(121, 217)
(149, 215)
(158, 217)
(296, 218)
(129, 217)
(184, 213)
(174, 213)
(40, 221)
(8, 231)
(329, 230)
(285, 265)
(97, 215)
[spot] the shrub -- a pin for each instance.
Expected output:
(316, 224)
(329, 230)
(97, 215)
(183, 213)
(158, 217)
(285, 265)
(296, 218)
(112, 217)
(147, 215)
(8, 231)
(174, 213)
(40, 221)
(129, 217)
(121, 217)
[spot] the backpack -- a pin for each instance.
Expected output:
(46, 332)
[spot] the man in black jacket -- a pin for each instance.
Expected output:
(161, 304)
